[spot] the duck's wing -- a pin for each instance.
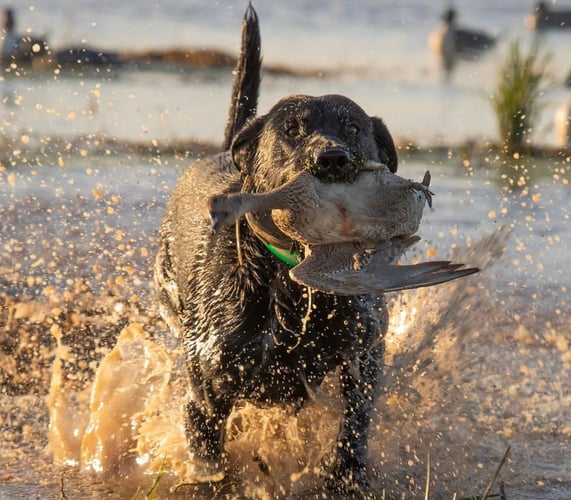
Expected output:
(353, 269)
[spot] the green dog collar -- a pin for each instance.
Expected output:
(290, 258)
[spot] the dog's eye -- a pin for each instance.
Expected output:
(353, 129)
(292, 131)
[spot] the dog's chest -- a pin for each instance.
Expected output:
(310, 331)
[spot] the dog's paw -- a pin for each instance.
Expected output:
(199, 470)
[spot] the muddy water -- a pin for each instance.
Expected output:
(92, 381)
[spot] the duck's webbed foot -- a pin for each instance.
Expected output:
(423, 187)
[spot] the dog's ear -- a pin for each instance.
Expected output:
(385, 144)
(245, 144)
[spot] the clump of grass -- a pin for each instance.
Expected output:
(152, 493)
(516, 100)
(486, 495)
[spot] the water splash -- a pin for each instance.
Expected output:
(133, 424)
(129, 387)
(68, 419)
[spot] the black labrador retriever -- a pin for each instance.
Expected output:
(249, 331)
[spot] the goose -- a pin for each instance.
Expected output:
(544, 18)
(17, 47)
(450, 41)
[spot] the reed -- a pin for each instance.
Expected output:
(517, 97)
(153, 492)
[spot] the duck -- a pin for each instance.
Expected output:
(352, 233)
(450, 41)
(543, 18)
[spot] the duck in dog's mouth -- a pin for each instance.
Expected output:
(351, 232)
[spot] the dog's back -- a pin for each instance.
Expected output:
(212, 174)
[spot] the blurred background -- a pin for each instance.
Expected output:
(377, 52)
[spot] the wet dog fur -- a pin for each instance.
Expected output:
(249, 332)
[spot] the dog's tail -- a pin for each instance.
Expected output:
(247, 78)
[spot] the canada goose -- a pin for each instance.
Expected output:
(449, 41)
(545, 18)
(17, 47)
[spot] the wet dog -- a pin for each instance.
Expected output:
(249, 331)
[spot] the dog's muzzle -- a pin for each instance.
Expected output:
(334, 165)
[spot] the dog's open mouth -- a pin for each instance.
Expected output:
(351, 232)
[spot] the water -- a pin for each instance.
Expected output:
(91, 378)
(378, 49)
(474, 366)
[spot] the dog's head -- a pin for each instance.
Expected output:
(330, 136)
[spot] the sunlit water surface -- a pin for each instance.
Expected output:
(92, 382)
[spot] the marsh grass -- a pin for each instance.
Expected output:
(516, 99)
(152, 493)
(492, 481)
(485, 495)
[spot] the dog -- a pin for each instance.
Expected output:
(248, 330)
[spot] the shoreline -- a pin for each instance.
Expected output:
(34, 151)
(78, 60)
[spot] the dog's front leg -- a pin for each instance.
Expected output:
(204, 434)
(347, 471)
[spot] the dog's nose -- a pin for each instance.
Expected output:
(333, 165)
(333, 158)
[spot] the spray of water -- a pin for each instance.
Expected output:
(128, 419)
